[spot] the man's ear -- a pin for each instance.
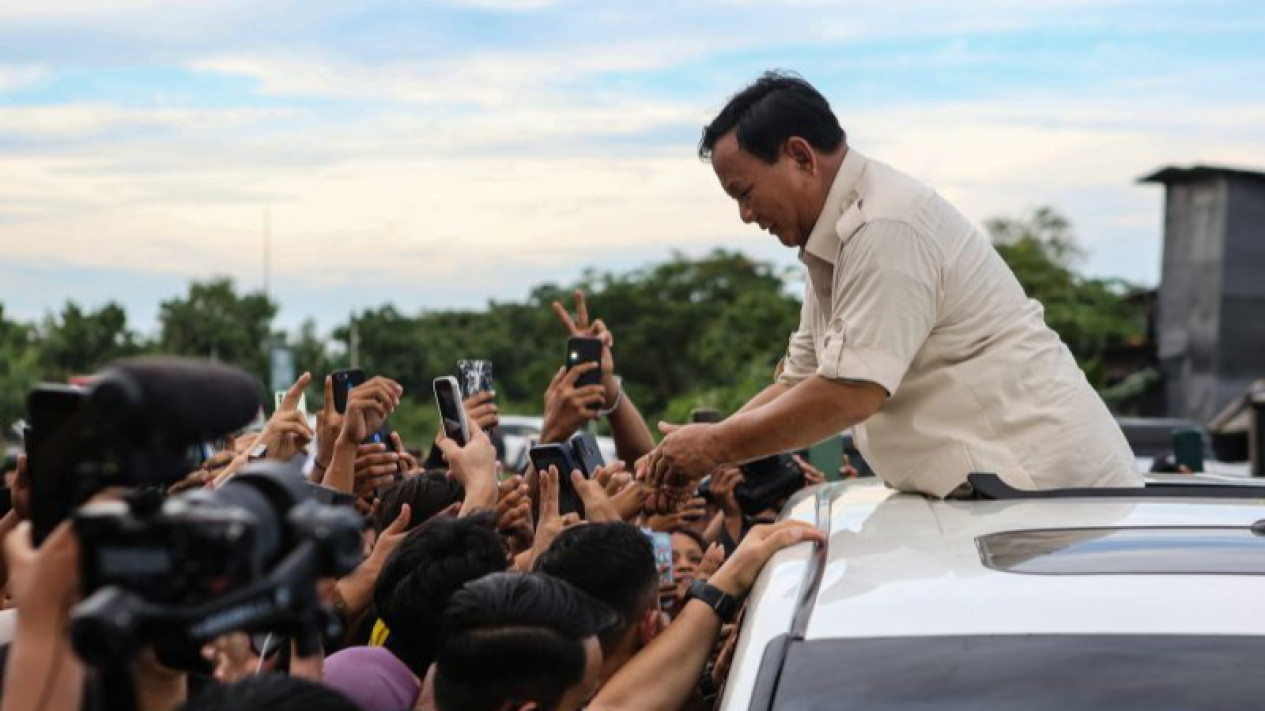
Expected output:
(801, 154)
(649, 627)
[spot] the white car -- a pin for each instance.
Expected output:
(1116, 599)
(522, 432)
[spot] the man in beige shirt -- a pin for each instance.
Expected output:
(913, 330)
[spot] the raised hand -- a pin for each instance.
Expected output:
(580, 326)
(481, 409)
(566, 406)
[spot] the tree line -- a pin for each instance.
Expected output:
(704, 332)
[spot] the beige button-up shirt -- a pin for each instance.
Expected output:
(903, 292)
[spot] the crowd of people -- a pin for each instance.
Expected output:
(475, 590)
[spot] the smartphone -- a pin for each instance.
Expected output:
(451, 412)
(1188, 449)
(704, 414)
(52, 445)
(662, 556)
(587, 455)
(475, 376)
(545, 455)
(344, 380)
(586, 350)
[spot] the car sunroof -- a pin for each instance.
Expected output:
(1126, 551)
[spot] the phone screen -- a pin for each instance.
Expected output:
(451, 411)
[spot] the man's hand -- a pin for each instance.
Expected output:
(408, 463)
(582, 328)
(566, 406)
(724, 482)
(329, 423)
(597, 505)
(550, 523)
(687, 454)
(368, 406)
(43, 581)
(513, 514)
(738, 573)
(374, 467)
(812, 475)
(689, 516)
(287, 432)
(474, 465)
(481, 409)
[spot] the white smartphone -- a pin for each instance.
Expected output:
(451, 412)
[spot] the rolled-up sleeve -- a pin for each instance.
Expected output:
(886, 295)
(801, 352)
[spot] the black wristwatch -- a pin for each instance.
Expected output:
(724, 604)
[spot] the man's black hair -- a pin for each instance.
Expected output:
(513, 638)
(432, 562)
(270, 692)
(775, 107)
(612, 562)
(426, 494)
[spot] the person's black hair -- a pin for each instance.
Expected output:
(432, 562)
(270, 692)
(513, 638)
(775, 107)
(691, 533)
(613, 563)
(426, 494)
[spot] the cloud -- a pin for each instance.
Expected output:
(21, 76)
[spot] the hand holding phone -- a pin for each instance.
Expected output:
(544, 456)
(452, 415)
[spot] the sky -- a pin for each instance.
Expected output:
(440, 154)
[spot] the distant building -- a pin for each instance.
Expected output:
(1211, 310)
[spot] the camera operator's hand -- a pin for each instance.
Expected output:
(566, 406)
(481, 409)
(44, 581)
(474, 465)
(581, 327)
(738, 573)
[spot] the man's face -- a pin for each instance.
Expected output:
(578, 696)
(772, 196)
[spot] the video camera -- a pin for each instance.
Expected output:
(178, 572)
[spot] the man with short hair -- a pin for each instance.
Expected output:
(613, 563)
(520, 641)
(913, 330)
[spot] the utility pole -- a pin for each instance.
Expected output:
(267, 248)
(353, 343)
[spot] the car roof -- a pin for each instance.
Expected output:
(905, 565)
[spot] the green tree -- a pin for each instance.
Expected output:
(1089, 314)
(19, 369)
(78, 342)
(214, 322)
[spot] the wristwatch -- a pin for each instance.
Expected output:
(722, 603)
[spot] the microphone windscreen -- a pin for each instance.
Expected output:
(185, 400)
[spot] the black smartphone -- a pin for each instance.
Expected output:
(545, 455)
(587, 454)
(52, 445)
(344, 380)
(1188, 449)
(475, 376)
(451, 412)
(586, 350)
(704, 414)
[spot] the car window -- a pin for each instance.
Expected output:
(1126, 551)
(1033, 673)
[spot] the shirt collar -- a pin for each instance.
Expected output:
(823, 241)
